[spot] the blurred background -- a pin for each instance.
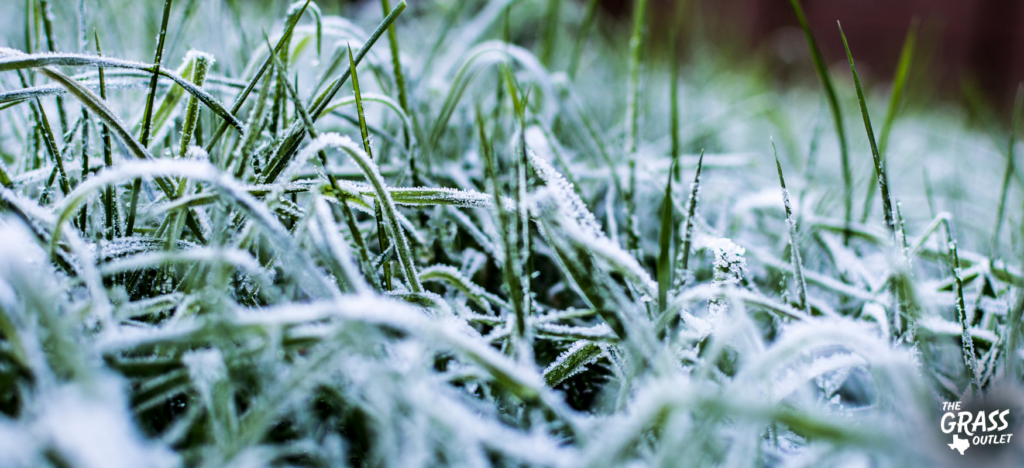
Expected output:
(967, 49)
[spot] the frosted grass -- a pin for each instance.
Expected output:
(247, 319)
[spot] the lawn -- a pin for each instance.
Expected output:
(490, 233)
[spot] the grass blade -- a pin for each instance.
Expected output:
(798, 268)
(837, 114)
(966, 341)
(691, 211)
(110, 202)
(202, 64)
(636, 43)
(382, 237)
(883, 180)
(666, 240)
(895, 101)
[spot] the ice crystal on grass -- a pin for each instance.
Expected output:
(461, 292)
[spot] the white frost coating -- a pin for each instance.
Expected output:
(565, 196)
(877, 311)
(548, 199)
(373, 176)
(560, 360)
(600, 331)
(205, 366)
(193, 54)
(730, 265)
(791, 379)
(939, 326)
(94, 429)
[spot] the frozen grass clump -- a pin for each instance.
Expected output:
(464, 234)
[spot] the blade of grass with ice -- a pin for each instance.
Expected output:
(895, 101)
(666, 241)
(883, 179)
(833, 104)
(382, 237)
(798, 268)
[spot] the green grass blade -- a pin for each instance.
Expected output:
(202, 64)
(798, 268)
(666, 240)
(636, 43)
(895, 101)
(837, 114)
(966, 341)
(147, 118)
(44, 6)
(382, 237)
(110, 202)
(547, 51)
(899, 83)
(673, 121)
(571, 362)
(691, 211)
(883, 180)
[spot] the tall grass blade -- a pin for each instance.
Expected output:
(202, 65)
(883, 179)
(837, 114)
(666, 242)
(636, 44)
(382, 237)
(895, 102)
(798, 268)
(966, 341)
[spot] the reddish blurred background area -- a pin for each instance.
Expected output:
(976, 44)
